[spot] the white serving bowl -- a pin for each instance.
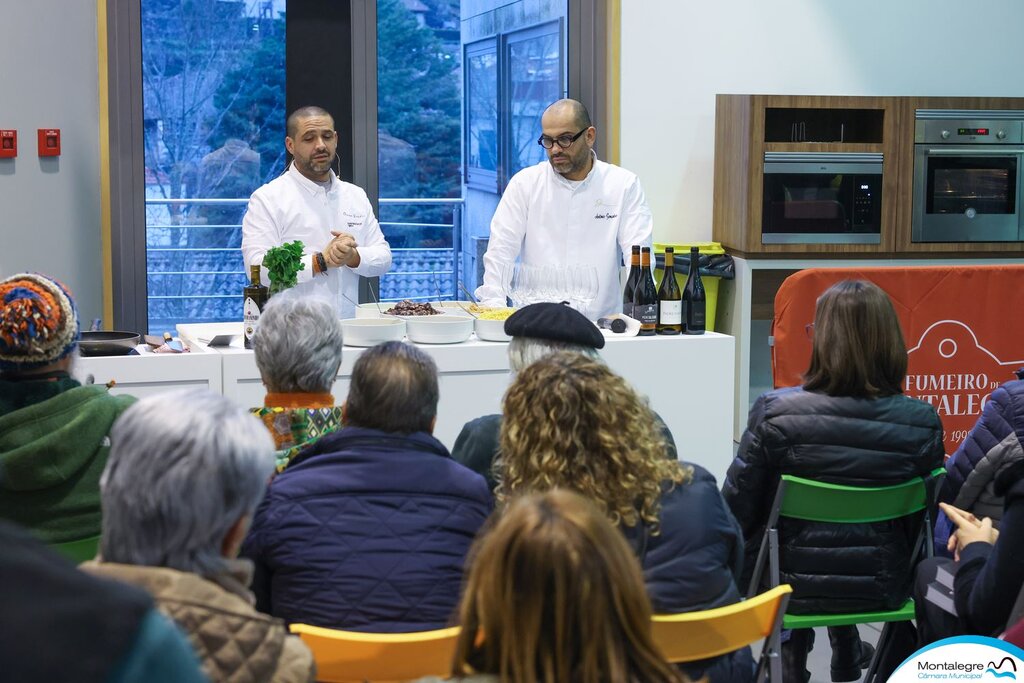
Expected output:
(370, 310)
(438, 329)
(371, 331)
(490, 330)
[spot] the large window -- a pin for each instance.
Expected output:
(535, 70)
(482, 114)
(419, 131)
(516, 65)
(453, 89)
(213, 108)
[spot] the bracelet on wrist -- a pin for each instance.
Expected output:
(321, 262)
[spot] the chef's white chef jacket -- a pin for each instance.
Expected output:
(293, 207)
(544, 219)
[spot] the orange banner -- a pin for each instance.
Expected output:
(963, 326)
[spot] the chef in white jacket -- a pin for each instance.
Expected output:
(572, 209)
(333, 219)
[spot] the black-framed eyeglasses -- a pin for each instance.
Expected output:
(564, 141)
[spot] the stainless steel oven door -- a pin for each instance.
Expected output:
(967, 193)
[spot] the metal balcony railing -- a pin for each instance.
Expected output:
(174, 232)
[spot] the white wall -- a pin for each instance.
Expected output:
(678, 54)
(50, 207)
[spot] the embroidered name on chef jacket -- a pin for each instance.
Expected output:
(607, 215)
(354, 219)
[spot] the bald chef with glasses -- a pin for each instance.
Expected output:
(571, 210)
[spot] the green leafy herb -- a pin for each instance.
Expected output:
(283, 264)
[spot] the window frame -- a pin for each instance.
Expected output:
(476, 176)
(588, 43)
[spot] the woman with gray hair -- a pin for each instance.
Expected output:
(178, 496)
(297, 343)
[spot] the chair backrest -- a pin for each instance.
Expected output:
(817, 501)
(350, 656)
(699, 635)
(78, 551)
(821, 502)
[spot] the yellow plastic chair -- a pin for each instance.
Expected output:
(354, 657)
(78, 551)
(691, 636)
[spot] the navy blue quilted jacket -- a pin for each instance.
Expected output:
(841, 440)
(993, 444)
(367, 531)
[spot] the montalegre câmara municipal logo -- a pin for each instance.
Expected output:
(964, 658)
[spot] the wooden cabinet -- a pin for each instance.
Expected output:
(748, 126)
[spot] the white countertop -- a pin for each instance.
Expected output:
(688, 380)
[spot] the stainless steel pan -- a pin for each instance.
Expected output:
(107, 343)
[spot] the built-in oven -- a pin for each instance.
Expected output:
(822, 198)
(967, 176)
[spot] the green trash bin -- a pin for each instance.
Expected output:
(682, 269)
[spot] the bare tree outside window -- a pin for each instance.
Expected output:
(213, 102)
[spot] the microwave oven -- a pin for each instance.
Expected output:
(822, 198)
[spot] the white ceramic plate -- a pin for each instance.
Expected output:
(490, 330)
(438, 329)
(371, 331)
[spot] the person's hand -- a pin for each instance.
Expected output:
(341, 251)
(969, 529)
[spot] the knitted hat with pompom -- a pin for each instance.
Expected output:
(38, 322)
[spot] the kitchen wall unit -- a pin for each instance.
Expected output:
(908, 106)
(748, 126)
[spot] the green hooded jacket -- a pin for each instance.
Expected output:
(53, 448)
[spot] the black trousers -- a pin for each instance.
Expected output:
(933, 622)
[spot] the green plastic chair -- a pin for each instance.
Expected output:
(816, 501)
(78, 551)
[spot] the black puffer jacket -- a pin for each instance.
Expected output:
(840, 440)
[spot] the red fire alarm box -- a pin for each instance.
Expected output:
(8, 144)
(49, 142)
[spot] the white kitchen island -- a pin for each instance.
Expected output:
(689, 380)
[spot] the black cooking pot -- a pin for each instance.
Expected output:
(107, 343)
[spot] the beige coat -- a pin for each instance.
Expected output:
(236, 643)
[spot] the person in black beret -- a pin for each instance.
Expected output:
(554, 323)
(537, 331)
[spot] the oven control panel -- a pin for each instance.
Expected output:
(863, 204)
(969, 132)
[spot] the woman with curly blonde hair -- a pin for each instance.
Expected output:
(554, 596)
(570, 422)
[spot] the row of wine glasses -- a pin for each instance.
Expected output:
(529, 284)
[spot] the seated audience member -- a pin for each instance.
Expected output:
(537, 330)
(368, 528)
(848, 424)
(555, 596)
(572, 423)
(53, 430)
(993, 445)
(178, 495)
(988, 569)
(60, 625)
(297, 344)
